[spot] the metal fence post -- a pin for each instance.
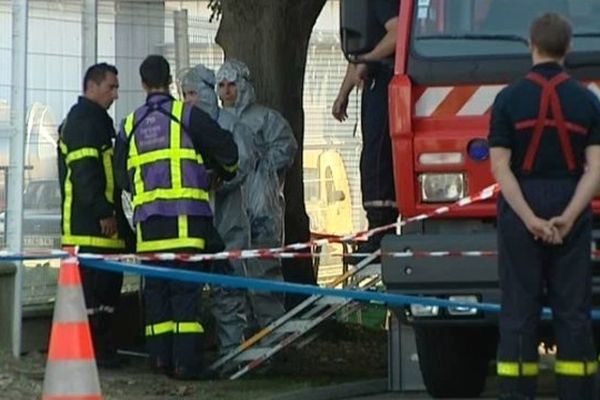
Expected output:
(14, 203)
(7, 299)
(404, 374)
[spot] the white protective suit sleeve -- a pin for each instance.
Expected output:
(247, 152)
(279, 143)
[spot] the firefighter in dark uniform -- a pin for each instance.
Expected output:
(545, 140)
(92, 217)
(377, 180)
(161, 157)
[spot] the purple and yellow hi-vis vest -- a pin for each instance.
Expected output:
(167, 175)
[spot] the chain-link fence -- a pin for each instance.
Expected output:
(127, 31)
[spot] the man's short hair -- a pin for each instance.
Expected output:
(155, 72)
(97, 73)
(551, 34)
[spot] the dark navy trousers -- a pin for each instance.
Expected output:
(173, 303)
(531, 272)
(376, 166)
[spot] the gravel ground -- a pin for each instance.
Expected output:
(342, 353)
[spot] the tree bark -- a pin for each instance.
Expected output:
(271, 37)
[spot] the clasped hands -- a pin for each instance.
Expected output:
(552, 231)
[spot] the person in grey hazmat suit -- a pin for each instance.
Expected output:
(231, 218)
(264, 186)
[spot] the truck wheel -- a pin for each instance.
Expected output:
(454, 361)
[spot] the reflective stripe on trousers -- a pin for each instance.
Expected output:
(162, 328)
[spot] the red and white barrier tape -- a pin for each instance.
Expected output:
(291, 250)
(37, 254)
(241, 255)
(225, 256)
(485, 194)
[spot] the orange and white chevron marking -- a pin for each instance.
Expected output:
(462, 101)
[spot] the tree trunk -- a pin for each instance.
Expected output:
(271, 37)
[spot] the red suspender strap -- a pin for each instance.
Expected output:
(549, 100)
(561, 126)
(534, 144)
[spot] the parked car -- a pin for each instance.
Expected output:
(41, 214)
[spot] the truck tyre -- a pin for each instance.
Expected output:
(454, 361)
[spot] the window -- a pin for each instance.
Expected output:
(329, 186)
(311, 184)
(449, 28)
(42, 195)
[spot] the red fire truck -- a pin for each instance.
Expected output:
(452, 58)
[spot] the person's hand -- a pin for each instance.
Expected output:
(563, 225)
(340, 108)
(361, 72)
(108, 226)
(216, 182)
(544, 230)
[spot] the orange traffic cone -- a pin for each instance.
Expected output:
(71, 372)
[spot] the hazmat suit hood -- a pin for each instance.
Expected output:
(238, 72)
(202, 80)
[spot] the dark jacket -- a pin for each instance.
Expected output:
(520, 102)
(220, 154)
(87, 179)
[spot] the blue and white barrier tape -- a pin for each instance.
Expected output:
(275, 286)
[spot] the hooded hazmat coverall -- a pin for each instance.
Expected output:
(264, 185)
(231, 217)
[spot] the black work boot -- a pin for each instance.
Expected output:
(104, 342)
(160, 366)
(377, 216)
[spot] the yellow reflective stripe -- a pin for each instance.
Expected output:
(158, 155)
(175, 132)
(138, 183)
(95, 241)
(160, 328)
(79, 154)
(188, 327)
(173, 327)
(80, 240)
(128, 126)
(169, 194)
(182, 224)
(67, 204)
(68, 199)
(515, 369)
(63, 147)
(575, 368)
(231, 168)
(170, 244)
(133, 153)
(174, 155)
(108, 172)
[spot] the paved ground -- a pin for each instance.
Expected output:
(349, 391)
(390, 396)
(546, 391)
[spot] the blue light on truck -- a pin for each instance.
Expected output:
(478, 149)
